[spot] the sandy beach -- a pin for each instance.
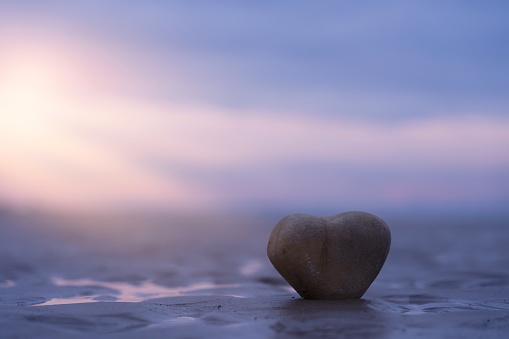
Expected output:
(209, 276)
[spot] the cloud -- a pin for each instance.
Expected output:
(371, 61)
(131, 153)
(172, 104)
(228, 139)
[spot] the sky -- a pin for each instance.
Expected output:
(298, 106)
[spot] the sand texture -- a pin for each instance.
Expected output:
(209, 276)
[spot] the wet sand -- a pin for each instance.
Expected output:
(190, 277)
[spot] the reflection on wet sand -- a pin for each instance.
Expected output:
(251, 267)
(7, 283)
(127, 292)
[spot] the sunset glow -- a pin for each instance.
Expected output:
(95, 123)
(29, 95)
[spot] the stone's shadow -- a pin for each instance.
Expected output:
(324, 318)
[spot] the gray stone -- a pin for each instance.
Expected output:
(335, 257)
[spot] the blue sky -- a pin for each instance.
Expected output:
(378, 68)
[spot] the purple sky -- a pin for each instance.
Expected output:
(298, 106)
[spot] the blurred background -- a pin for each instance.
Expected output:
(254, 107)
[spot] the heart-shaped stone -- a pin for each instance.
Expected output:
(335, 257)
